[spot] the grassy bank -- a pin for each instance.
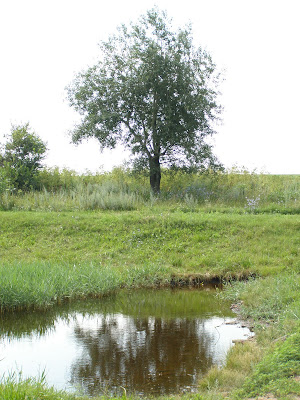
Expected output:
(48, 256)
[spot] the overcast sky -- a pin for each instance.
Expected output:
(43, 44)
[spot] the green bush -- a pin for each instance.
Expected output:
(22, 158)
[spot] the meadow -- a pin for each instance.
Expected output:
(237, 191)
(89, 235)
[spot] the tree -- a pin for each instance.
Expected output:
(152, 91)
(22, 158)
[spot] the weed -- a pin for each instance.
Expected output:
(252, 204)
(122, 189)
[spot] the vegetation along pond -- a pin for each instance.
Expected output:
(146, 341)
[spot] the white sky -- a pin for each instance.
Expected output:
(44, 43)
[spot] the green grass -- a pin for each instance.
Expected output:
(17, 388)
(277, 373)
(40, 285)
(187, 242)
(46, 257)
(123, 189)
(268, 299)
(226, 225)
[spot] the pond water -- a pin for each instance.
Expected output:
(148, 342)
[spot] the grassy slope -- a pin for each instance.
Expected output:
(187, 242)
(47, 256)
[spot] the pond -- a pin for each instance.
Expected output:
(150, 342)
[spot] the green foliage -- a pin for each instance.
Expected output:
(4, 180)
(54, 179)
(152, 91)
(22, 158)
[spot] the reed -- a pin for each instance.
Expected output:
(90, 197)
(43, 284)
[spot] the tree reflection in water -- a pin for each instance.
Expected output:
(149, 355)
(147, 341)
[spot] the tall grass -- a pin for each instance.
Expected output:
(122, 189)
(15, 387)
(42, 284)
(89, 197)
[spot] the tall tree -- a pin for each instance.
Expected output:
(22, 159)
(152, 91)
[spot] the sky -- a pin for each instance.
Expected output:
(44, 44)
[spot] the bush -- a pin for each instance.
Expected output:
(22, 158)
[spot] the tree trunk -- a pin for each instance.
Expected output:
(155, 174)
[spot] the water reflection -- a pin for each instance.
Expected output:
(162, 356)
(147, 342)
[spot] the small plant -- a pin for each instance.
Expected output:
(190, 201)
(252, 204)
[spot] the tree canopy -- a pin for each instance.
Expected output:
(22, 158)
(153, 92)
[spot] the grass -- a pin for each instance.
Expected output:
(268, 299)
(123, 189)
(46, 257)
(239, 363)
(90, 235)
(277, 373)
(187, 242)
(40, 285)
(17, 388)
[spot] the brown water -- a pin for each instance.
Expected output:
(148, 342)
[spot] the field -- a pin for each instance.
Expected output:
(89, 235)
